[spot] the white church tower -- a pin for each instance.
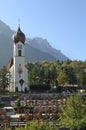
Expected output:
(18, 71)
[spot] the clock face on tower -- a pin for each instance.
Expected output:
(19, 46)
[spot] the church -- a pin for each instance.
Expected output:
(18, 73)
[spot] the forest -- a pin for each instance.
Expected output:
(57, 73)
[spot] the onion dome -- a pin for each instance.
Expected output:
(19, 36)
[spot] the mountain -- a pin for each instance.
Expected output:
(44, 46)
(36, 49)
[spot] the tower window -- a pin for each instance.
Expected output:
(19, 52)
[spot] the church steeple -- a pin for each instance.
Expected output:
(18, 72)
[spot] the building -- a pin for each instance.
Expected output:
(18, 73)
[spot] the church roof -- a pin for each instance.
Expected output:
(19, 36)
(9, 64)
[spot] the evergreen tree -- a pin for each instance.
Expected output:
(73, 113)
(82, 78)
(4, 78)
(67, 76)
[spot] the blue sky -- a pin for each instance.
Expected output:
(61, 22)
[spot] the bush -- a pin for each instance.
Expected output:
(39, 125)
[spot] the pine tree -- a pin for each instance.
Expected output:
(73, 114)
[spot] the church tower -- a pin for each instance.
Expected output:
(18, 72)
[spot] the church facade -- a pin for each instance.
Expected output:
(18, 72)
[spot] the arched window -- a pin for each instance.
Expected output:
(19, 52)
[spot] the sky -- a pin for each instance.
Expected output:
(61, 22)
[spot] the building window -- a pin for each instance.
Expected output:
(19, 52)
